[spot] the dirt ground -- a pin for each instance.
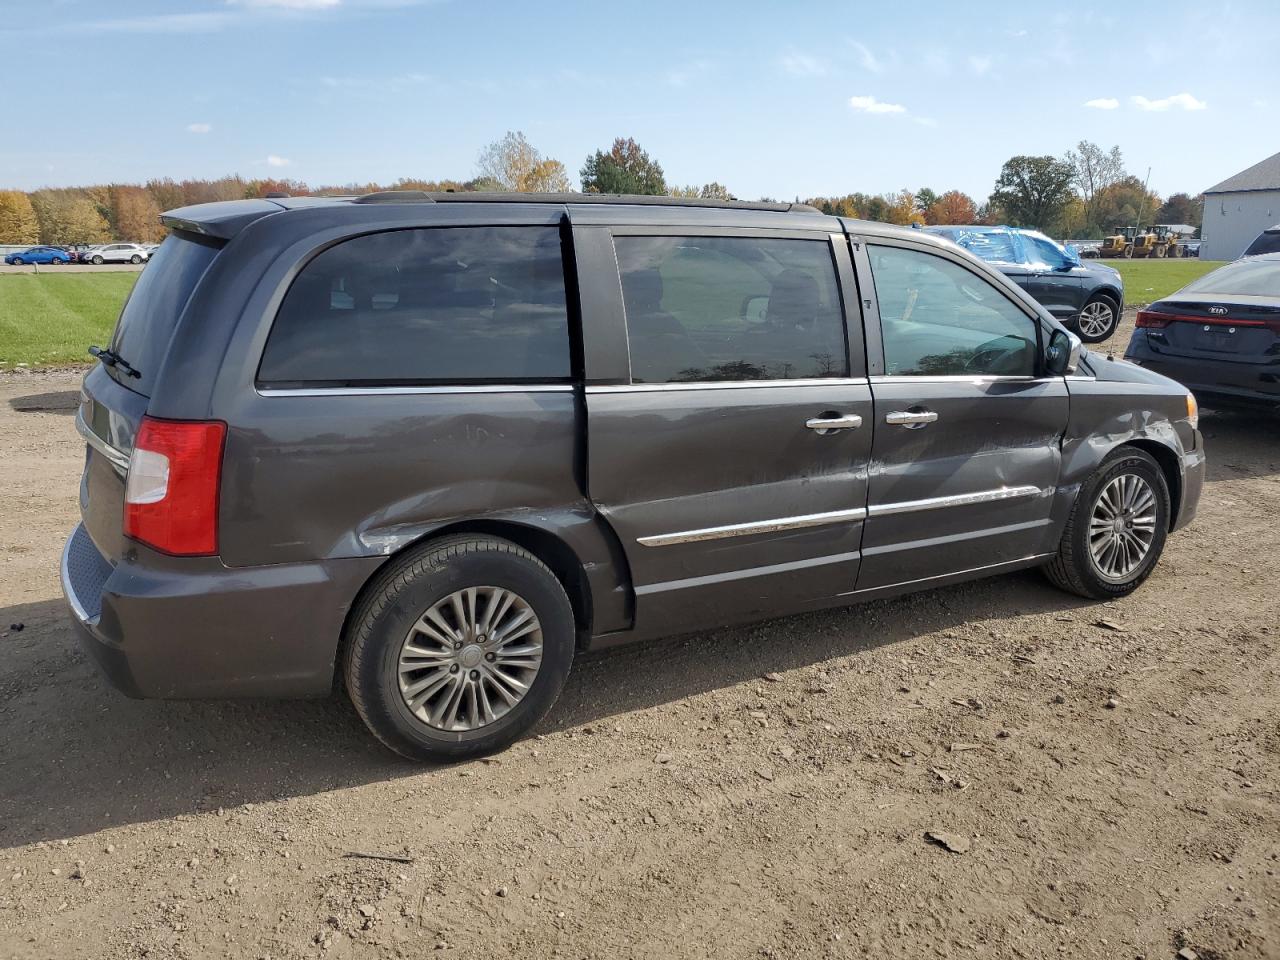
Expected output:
(1109, 771)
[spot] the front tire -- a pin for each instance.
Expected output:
(459, 648)
(135, 259)
(18, 262)
(97, 261)
(1117, 528)
(1098, 319)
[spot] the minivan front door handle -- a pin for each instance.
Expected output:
(848, 421)
(910, 418)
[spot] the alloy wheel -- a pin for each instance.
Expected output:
(1096, 319)
(470, 658)
(1122, 527)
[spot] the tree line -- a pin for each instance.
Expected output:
(1082, 195)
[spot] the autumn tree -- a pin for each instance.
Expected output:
(626, 168)
(69, 217)
(18, 223)
(135, 215)
(1093, 170)
(900, 208)
(952, 207)
(1127, 202)
(1033, 191)
(166, 193)
(513, 163)
(925, 198)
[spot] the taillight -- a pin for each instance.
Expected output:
(171, 491)
(1150, 318)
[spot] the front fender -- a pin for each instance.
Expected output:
(1125, 404)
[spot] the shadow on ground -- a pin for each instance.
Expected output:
(80, 757)
(61, 401)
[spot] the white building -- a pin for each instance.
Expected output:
(1239, 208)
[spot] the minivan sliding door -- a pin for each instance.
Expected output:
(728, 417)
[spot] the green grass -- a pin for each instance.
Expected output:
(48, 319)
(1146, 281)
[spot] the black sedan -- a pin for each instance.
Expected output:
(1219, 335)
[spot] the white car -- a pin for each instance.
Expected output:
(116, 253)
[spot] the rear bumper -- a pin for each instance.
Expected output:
(195, 628)
(1222, 382)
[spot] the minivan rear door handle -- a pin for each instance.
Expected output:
(910, 418)
(848, 421)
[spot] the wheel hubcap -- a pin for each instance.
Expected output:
(1122, 527)
(1095, 319)
(470, 658)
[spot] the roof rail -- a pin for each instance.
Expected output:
(476, 196)
(396, 196)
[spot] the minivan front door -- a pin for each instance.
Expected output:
(728, 431)
(968, 434)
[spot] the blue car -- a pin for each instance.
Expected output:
(1088, 298)
(38, 255)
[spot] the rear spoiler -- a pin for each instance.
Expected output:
(221, 220)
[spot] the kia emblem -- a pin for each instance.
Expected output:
(1218, 311)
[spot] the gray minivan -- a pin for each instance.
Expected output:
(430, 446)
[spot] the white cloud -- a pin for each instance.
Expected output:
(1103, 103)
(868, 59)
(1183, 101)
(275, 161)
(872, 105)
(287, 4)
(803, 65)
(199, 127)
(980, 65)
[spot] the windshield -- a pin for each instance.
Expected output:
(151, 313)
(1254, 278)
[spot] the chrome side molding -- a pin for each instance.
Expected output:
(759, 526)
(956, 500)
(838, 516)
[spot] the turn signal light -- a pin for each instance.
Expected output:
(171, 490)
(1193, 410)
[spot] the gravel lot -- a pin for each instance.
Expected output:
(1107, 775)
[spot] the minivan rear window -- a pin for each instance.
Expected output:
(151, 313)
(425, 306)
(1267, 242)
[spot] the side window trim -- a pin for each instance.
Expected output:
(866, 281)
(846, 289)
(400, 384)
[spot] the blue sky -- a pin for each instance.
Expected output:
(780, 99)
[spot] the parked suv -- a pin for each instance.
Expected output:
(1086, 298)
(430, 446)
(116, 253)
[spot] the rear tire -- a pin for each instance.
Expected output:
(97, 261)
(426, 635)
(19, 262)
(135, 259)
(1085, 563)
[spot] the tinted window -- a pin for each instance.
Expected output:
(447, 305)
(1258, 278)
(994, 246)
(938, 319)
(731, 308)
(150, 314)
(1041, 250)
(1268, 242)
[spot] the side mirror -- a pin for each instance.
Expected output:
(1063, 356)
